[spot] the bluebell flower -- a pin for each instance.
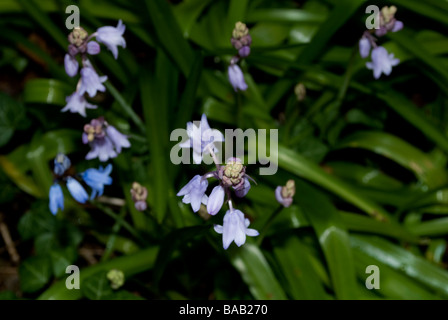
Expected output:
(382, 62)
(91, 82)
(236, 78)
(118, 139)
(71, 65)
(105, 140)
(97, 179)
(388, 22)
(194, 192)
(244, 51)
(112, 37)
(215, 200)
(235, 228)
(76, 103)
(101, 148)
(61, 164)
(77, 190)
(139, 194)
(201, 139)
(56, 198)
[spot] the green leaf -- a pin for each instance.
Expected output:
(302, 279)
(400, 151)
(414, 267)
(48, 91)
(38, 220)
(256, 272)
(61, 258)
(34, 272)
(169, 34)
(11, 114)
(96, 286)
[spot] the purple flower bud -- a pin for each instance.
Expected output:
(364, 47)
(194, 192)
(76, 103)
(118, 139)
(91, 82)
(398, 25)
(71, 65)
(56, 198)
(140, 205)
(236, 78)
(112, 37)
(72, 50)
(242, 191)
(93, 48)
(284, 194)
(382, 62)
(77, 190)
(215, 200)
(234, 228)
(244, 51)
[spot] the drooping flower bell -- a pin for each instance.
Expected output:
(236, 78)
(112, 37)
(235, 228)
(285, 194)
(382, 62)
(97, 179)
(194, 192)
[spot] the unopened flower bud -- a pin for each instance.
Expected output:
(116, 278)
(300, 91)
(284, 194)
(388, 13)
(232, 174)
(77, 36)
(139, 194)
(240, 30)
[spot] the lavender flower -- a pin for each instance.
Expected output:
(235, 228)
(91, 82)
(118, 139)
(93, 48)
(194, 192)
(56, 198)
(215, 200)
(244, 189)
(77, 190)
(236, 78)
(76, 103)
(284, 194)
(97, 179)
(202, 139)
(112, 37)
(382, 62)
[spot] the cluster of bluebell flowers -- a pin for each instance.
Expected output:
(81, 44)
(96, 179)
(382, 61)
(104, 139)
(241, 41)
(230, 176)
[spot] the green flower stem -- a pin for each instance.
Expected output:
(130, 265)
(267, 225)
